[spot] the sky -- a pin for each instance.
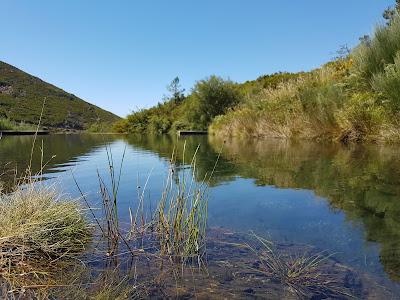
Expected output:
(121, 55)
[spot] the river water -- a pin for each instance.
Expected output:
(344, 200)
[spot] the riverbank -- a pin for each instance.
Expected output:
(23, 132)
(353, 98)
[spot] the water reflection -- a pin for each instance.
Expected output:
(361, 181)
(345, 199)
(58, 150)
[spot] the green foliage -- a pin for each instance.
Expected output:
(99, 127)
(268, 81)
(210, 97)
(159, 124)
(6, 124)
(214, 96)
(388, 83)
(176, 91)
(120, 126)
(390, 13)
(362, 116)
(354, 97)
(302, 107)
(372, 55)
(21, 100)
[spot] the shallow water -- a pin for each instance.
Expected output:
(342, 199)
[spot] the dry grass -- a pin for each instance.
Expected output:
(300, 108)
(39, 231)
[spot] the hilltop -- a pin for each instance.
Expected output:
(21, 100)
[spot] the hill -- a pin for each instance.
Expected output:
(353, 98)
(21, 100)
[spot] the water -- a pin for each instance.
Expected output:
(343, 199)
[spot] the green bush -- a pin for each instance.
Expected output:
(121, 126)
(372, 55)
(6, 124)
(388, 83)
(214, 96)
(362, 116)
(159, 124)
(138, 121)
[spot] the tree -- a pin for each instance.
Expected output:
(390, 12)
(213, 96)
(176, 90)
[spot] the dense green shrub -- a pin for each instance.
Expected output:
(388, 83)
(159, 124)
(363, 115)
(214, 96)
(6, 124)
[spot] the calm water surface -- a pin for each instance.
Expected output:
(344, 199)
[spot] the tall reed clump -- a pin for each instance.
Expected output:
(109, 195)
(38, 228)
(181, 217)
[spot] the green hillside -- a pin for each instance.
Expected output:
(21, 100)
(353, 98)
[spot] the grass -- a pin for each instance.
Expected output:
(6, 124)
(304, 274)
(181, 217)
(303, 108)
(38, 231)
(178, 226)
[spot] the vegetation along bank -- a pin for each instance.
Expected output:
(354, 97)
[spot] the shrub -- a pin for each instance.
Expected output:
(361, 116)
(372, 55)
(121, 126)
(138, 121)
(214, 96)
(159, 124)
(6, 124)
(388, 83)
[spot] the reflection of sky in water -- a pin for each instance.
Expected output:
(286, 215)
(291, 216)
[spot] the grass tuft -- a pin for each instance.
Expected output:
(181, 217)
(304, 274)
(37, 229)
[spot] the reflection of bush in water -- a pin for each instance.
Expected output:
(363, 181)
(207, 156)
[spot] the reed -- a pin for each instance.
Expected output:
(181, 217)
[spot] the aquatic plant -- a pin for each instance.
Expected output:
(181, 216)
(303, 274)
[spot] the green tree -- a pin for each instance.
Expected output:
(176, 91)
(213, 96)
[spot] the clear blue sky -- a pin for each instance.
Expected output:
(120, 55)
